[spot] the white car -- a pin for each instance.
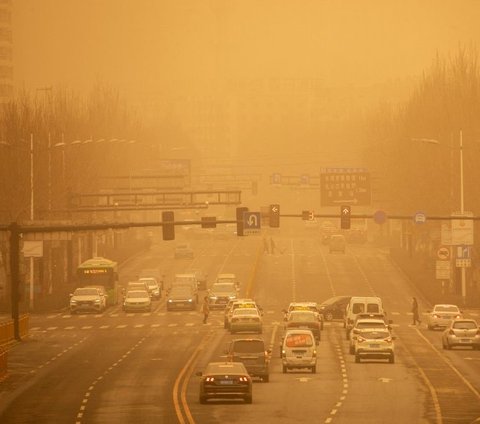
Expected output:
(87, 299)
(375, 344)
(363, 324)
(462, 332)
(246, 319)
(137, 300)
(442, 315)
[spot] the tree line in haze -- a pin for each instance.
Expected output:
(414, 149)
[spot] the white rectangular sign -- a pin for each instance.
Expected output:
(32, 249)
(442, 270)
(462, 229)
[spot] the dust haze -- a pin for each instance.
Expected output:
(259, 76)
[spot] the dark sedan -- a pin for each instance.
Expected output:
(225, 380)
(334, 308)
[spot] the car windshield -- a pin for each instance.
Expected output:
(358, 308)
(375, 335)
(299, 340)
(465, 325)
(137, 294)
(446, 308)
(245, 311)
(86, 292)
(247, 346)
(305, 316)
(152, 284)
(223, 288)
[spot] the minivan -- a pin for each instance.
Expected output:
(299, 350)
(361, 305)
(253, 354)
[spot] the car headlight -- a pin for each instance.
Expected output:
(232, 297)
(212, 297)
(190, 300)
(73, 302)
(156, 292)
(97, 300)
(170, 300)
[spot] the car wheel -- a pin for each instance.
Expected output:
(225, 324)
(202, 399)
(248, 399)
(347, 334)
(429, 327)
(314, 370)
(328, 316)
(260, 331)
(391, 360)
(284, 369)
(357, 358)
(266, 378)
(352, 350)
(232, 331)
(447, 345)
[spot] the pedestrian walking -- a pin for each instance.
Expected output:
(272, 246)
(416, 317)
(205, 309)
(265, 245)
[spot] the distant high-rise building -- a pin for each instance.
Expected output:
(6, 64)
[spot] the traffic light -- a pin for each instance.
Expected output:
(168, 228)
(345, 212)
(239, 216)
(275, 215)
(308, 215)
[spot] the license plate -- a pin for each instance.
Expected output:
(180, 304)
(373, 346)
(226, 382)
(465, 340)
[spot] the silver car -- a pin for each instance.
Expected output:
(87, 299)
(375, 344)
(461, 332)
(137, 300)
(442, 315)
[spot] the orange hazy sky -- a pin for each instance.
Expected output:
(143, 45)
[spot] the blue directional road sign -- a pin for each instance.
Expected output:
(251, 222)
(419, 218)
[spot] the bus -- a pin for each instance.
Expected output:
(100, 272)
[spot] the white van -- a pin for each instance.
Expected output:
(361, 305)
(299, 350)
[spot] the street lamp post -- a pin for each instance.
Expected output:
(462, 200)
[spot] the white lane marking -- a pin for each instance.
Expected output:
(395, 313)
(154, 325)
(104, 327)
(121, 326)
(52, 328)
(86, 327)
(189, 324)
(69, 328)
(138, 325)
(172, 325)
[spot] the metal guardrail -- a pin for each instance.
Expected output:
(7, 336)
(7, 330)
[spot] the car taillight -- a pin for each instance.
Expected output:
(388, 340)
(360, 339)
(210, 379)
(436, 316)
(457, 316)
(314, 353)
(478, 332)
(243, 379)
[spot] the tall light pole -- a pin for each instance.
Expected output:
(462, 200)
(32, 216)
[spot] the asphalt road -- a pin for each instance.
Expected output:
(140, 368)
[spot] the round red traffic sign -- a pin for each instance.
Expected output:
(443, 252)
